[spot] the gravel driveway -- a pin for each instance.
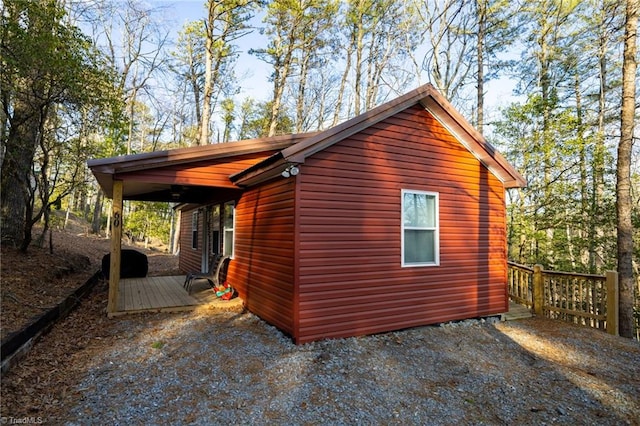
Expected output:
(231, 368)
(212, 367)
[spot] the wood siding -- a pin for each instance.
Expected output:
(190, 260)
(263, 266)
(351, 281)
(205, 173)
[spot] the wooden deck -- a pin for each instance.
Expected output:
(164, 294)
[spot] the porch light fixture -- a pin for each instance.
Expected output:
(176, 192)
(291, 170)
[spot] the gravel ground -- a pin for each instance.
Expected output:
(229, 367)
(232, 368)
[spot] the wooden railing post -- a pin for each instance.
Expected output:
(538, 290)
(612, 303)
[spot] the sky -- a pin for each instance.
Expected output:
(253, 74)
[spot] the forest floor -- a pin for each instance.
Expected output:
(229, 367)
(36, 281)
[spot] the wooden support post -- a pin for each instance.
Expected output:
(116, 245)
(538, 290)
(612, 303)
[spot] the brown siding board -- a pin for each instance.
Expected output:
(190, 260)
(206, 173)
(264, 251)
(335, 296)
(407, 148)
(371, 310)
(370, 279)
(351, 280)
(447, 179)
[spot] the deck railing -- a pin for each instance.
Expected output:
(585, 299)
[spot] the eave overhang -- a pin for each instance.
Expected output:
(106, 170)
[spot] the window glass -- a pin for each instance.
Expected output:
(194, 230)
(419, 228)
(215, 229)
(419, 210)
(228, 222)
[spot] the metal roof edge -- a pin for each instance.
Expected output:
(154, 159)
(297, 153)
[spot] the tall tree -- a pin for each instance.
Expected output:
(46, 63)
(286, 21)
(446, 26)
(227, 20)
(316, 46)
(544, 68)
(378, 37)
(623, 186)
(227, 117)
(189, 68)
(133, 41)
(493, 35)
(597, 60)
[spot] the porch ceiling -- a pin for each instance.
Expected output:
(186, 175)
(144, 191)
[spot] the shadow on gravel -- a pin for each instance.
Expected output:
(212, 367)
(586, 374)
(231, 367)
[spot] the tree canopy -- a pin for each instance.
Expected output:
(81, 79)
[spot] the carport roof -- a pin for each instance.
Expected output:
(130, 168)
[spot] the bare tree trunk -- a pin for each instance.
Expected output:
(300, 100)
(623, 185)
(279, 84)
(208, 81)
(19, 151)
(96, 223)
(132, 101)
(69, 206)
(46, 227)
(595, 231)
(343, 83)
(358, 66)
(482, 17)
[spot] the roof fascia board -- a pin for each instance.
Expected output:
(269, 168)
(299, 152)
(178, 156)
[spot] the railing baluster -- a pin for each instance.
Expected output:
(577, 298)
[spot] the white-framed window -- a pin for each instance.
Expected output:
(215, 229)
(227, 228)
(194, 230)
(420, 229)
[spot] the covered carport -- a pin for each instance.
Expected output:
(197, 175)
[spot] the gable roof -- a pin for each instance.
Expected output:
(425, 95)
(282, 151)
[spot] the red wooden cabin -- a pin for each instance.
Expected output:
(393, 219)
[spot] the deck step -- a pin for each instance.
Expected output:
(516, 312)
